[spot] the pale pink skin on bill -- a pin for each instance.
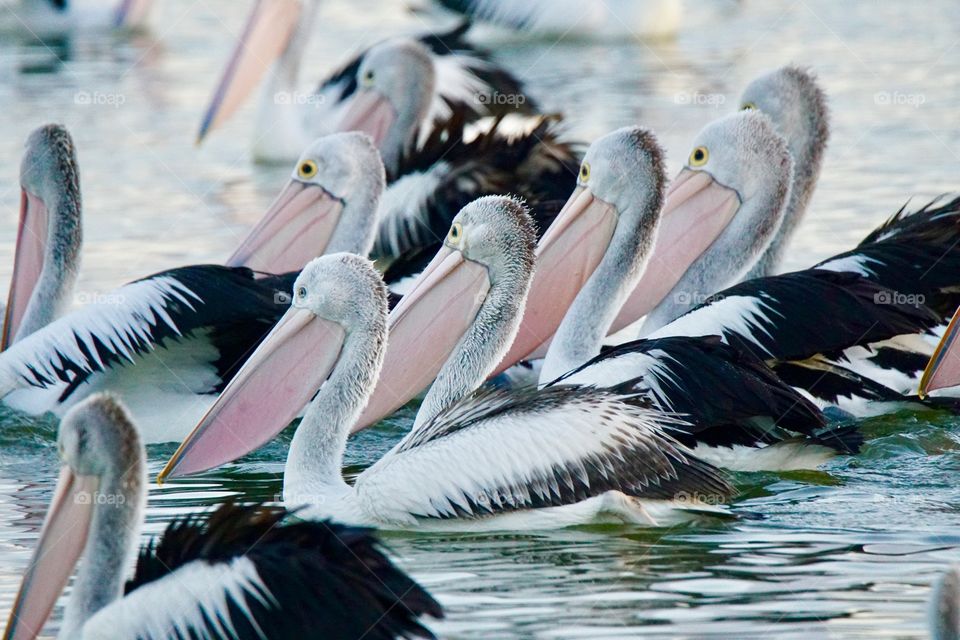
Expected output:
(28, 262)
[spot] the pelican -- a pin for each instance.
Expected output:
(566, 18)
(169, 342)
(274, 42)
(944, 606)
(616, 207)
(485, 460)
(241, 572)
(49, 237)
(436, 166)
(794, 101)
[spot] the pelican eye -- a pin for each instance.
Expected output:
(748, 106)
(307, 169)
(456, 230)
(301, 292)
(367, 78)
(584, 172)
(699, 157)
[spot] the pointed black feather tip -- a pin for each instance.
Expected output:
(325, 579)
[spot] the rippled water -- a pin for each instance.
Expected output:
(845, 552)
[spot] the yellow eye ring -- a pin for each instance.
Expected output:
(584, 172)
(367, 78)
(456, 230)
(699, 157)
(748, 106)
(307, 169)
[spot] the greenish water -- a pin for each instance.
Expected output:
(845, 552)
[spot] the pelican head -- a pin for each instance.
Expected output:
(333, 335)
(796, 104)
(396, 82)
(95, 513)
(50, 235)
(329, 205)
(462, 313)
(720, 214)
(603, 234)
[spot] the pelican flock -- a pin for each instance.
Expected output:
(577, 338)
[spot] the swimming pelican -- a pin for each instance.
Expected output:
(729, 398)
(488, 460)
(794, 101)
(240, 572)
(169, 342)
(274, 42)
(944, 606)
(49, 238)
(567, 18)
(437, 166)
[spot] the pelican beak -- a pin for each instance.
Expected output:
(131, 14)
(267, 34)
(296, 229)
(370, 112)
(943, 370)
(424, 329)
(268, 392)
(27, 263)
(567, 256)
(696, 211)
(61, 543)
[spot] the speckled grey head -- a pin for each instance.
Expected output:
(344, 288)
(402, 71)
(497, 232)
(97, 437)
(744, 152)
(796, 104)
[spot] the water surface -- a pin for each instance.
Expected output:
(846, 552)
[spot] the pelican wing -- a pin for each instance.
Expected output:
(726, 396)
(503, 450)
(515, 15)
(242, 573)
(912, 254)
(226, 305)
(798, 315)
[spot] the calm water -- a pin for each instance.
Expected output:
(846, 552)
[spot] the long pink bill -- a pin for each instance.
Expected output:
(696, 211)
(61, 543)
(266, 35)
(268, 392)
(296, 229)
(28, 263)
(370, 112)
(943, 370)
(425, 328)
(567, 256)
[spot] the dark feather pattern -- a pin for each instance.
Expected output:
(325, 580)
(228, 305)
(642, 465)
(726, 396)
(914, 254)
(850, 311)
(538, 167)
